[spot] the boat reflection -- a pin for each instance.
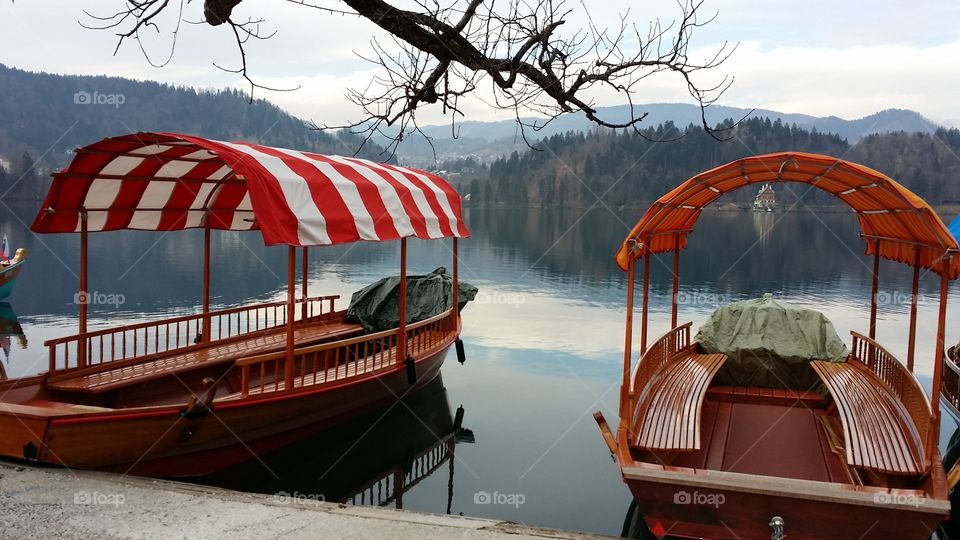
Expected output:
(372, 460)
(763, 224)
(9, 329)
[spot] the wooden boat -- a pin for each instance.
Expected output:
(10, 270)
(168, 397)
(857, 459)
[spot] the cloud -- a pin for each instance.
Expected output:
(848, 82)
(824, 59)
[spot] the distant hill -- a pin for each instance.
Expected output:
(582, 170)
(47, 116)
(489, 139)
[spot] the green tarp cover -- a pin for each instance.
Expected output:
(377, 306)
(770, 343)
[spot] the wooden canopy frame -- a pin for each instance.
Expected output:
(894, 221)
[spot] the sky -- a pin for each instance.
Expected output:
(819, 57)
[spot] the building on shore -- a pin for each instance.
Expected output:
(766, 199)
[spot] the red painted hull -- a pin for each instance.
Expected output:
(747, 515)
(162, 442)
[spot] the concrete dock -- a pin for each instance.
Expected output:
(59, 503)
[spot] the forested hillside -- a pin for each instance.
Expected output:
(575, 169)
(43, 117)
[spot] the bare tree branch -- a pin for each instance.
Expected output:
(517, 50)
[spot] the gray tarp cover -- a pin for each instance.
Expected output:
(377, 306)
(770, 343)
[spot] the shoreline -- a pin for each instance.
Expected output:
(43, 502)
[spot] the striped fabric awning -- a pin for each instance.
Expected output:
(893, 220)
(167, 181)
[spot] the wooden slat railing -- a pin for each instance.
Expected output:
(950, 383)
(175, 334)
(664, 349)
(904, 385)
(339, 360)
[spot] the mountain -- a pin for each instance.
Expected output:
(45, 116)
(617, 169)
(490, 139)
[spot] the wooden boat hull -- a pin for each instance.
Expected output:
(8, 277)
(748, 513)
(164, 442)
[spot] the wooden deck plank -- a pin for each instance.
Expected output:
(774, 440)
(771, 396)
(668, 417)
(721, 432)
(109, 379)
(879, 435)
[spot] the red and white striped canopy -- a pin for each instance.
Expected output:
(167, 181)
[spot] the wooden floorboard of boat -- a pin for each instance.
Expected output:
(770, 440)
(110, 379)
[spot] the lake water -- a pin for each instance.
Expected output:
(543, 342)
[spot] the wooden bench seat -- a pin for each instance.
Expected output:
(878, 431)
(668, 415)
(111, 378)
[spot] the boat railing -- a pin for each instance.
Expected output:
(664, 349)
(950, 385)
(898, 378)
(177, 333)
(345, 358)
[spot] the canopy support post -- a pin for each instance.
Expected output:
(933, 436)
(83, 298)
(646, 296)
(876, 289)
(304, 269)
(627, 342)
(456, 284)
(291, 298)
(205, 332)
(912, 341)
(402, 330)
(676, 281)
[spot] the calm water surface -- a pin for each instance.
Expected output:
(543, 341)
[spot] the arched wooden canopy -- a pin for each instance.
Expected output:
(169, 181)
(891, 216)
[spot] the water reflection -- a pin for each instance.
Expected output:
(10, 331)
(375, 459)
(543, 339)
(764, 223)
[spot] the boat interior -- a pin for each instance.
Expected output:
(863, 422)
